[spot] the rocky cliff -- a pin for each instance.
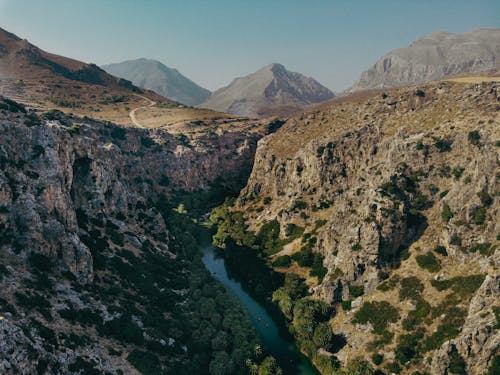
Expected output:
(98, 272)
(434, 57)
(387, 206)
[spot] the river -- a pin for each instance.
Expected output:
(288, 356)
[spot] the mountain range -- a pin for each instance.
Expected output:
(269, 90)
(433, 57)
(161, 79)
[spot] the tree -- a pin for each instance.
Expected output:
(323, 336)
(269, 366)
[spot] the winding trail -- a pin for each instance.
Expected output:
(132, 112)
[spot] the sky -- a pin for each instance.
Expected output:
(214, 41)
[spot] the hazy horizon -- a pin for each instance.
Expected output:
(214, 42)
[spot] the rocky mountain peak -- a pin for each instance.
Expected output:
(434, 57)
(272, 87)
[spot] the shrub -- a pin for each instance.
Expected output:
(411, 287)
(457, 363)
(293, 231)
(448, 328)
(282, 261)
(443, 145)
(483, 248)
(145, 361)
(41, 262)
(267, 200)
(474, 137)
(420, 93)
(304, 257)
(346, 305)
(494, 368)
(408, 346)
(429, 262)
(464, 286)
(323, 336)
(118, 133)
(300, 205)
(356, 290)
(446, 213)
(377, 358)
(441, 250)
(379, 314)
(479, 216)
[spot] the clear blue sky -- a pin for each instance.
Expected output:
(213, 41)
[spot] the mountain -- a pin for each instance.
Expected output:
(45, 80)
(381, 212)
(161, 79)
(433, 57)
(269, 90)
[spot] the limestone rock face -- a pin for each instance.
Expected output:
(75, 194)
(384, 183)
(433, 57)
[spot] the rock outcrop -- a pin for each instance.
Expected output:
(94, 267)
(397, 189)
(434, 57)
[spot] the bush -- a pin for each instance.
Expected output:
(411, 287)
(443, 145)
(282, 261)
(323, 336)
(446, 213)
(474, 137)
(293, 231)
(441, 250)
(377, 359)
(429, 262)
(483, 248)
(494, 368)
(145, 361)
(304, 257)
(346, 305)
(356, 290)
(379, 314)
(465, 286)
(479, 216)
(41, 262)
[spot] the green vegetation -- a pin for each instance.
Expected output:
(356, 290)
(479, 216)
(446, 213)
(377, 358)
(441, 250)
(465, 286)
(379, 314)
(346, 305)
(443, 145)
(282, 261)
(494, 368)
(457, 363)
(486, 249)
(474, 137)
(429, 262)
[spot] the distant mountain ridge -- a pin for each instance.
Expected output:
(269, 89)
(433, 57)
(154, 75)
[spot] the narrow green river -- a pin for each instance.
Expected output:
(289, 357)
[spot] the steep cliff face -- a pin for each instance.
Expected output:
(94, 266)
(434, 57)
(399, 195)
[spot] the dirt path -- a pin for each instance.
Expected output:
(132, 112)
